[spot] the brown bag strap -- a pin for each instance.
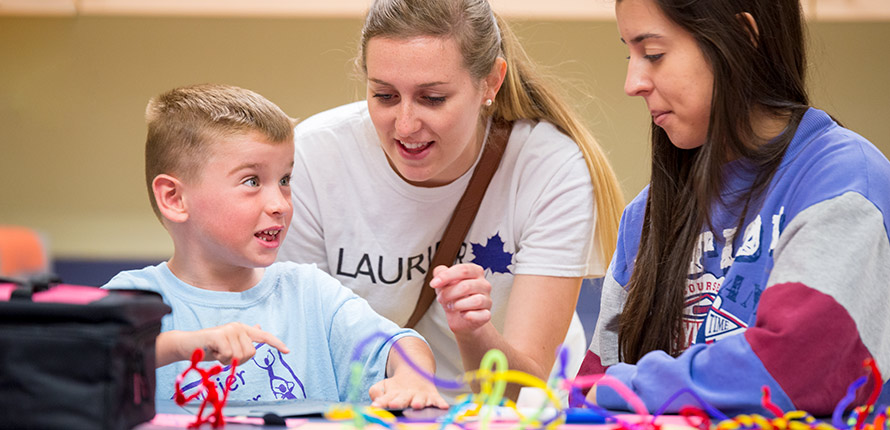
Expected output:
(464, 213)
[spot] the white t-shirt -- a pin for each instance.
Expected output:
(359, 221)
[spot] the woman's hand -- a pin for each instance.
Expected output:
(464, 294)
(591, 395)
(539, 312)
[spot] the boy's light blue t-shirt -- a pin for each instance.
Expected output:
(321, 322)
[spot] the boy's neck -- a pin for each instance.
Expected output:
(216, 278)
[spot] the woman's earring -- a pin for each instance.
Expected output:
(488, 102)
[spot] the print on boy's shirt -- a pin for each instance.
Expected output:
(187, 387)
(392, 270)
(282, 379)
(267, 376)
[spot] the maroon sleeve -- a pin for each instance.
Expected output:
(801, 336)
(591, 366)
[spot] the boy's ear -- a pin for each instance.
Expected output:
(168, 192)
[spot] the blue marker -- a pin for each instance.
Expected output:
(583, 416)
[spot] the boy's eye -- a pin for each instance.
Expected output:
(252, 182)
(285, 181)
(653, 57)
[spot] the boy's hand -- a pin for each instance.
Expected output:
(232, 340)
(406, 389)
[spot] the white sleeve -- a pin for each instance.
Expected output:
(556, 206)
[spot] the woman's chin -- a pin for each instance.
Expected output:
(419, 180)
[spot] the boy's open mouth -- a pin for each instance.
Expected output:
(268, 235)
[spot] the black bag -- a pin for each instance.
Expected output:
(76, 357)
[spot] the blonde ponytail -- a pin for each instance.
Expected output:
(527, 94)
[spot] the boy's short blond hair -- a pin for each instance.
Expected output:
(185, 122)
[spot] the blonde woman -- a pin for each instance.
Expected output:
(375, 184)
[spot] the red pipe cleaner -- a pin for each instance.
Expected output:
(870, 364)
(688, 412)
(208, 388)
(768, 403)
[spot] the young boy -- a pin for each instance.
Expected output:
(218, 162)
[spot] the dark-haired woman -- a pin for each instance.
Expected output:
(758, 255)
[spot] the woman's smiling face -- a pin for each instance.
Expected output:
(425, 106)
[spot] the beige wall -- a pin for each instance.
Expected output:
(73, 90)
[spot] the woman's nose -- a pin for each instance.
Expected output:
(637, 83)
(407, 121)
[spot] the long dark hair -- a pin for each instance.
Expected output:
(758, 68)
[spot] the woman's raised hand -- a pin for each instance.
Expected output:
(464, 294)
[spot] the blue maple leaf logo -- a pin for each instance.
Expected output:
(492, 256)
